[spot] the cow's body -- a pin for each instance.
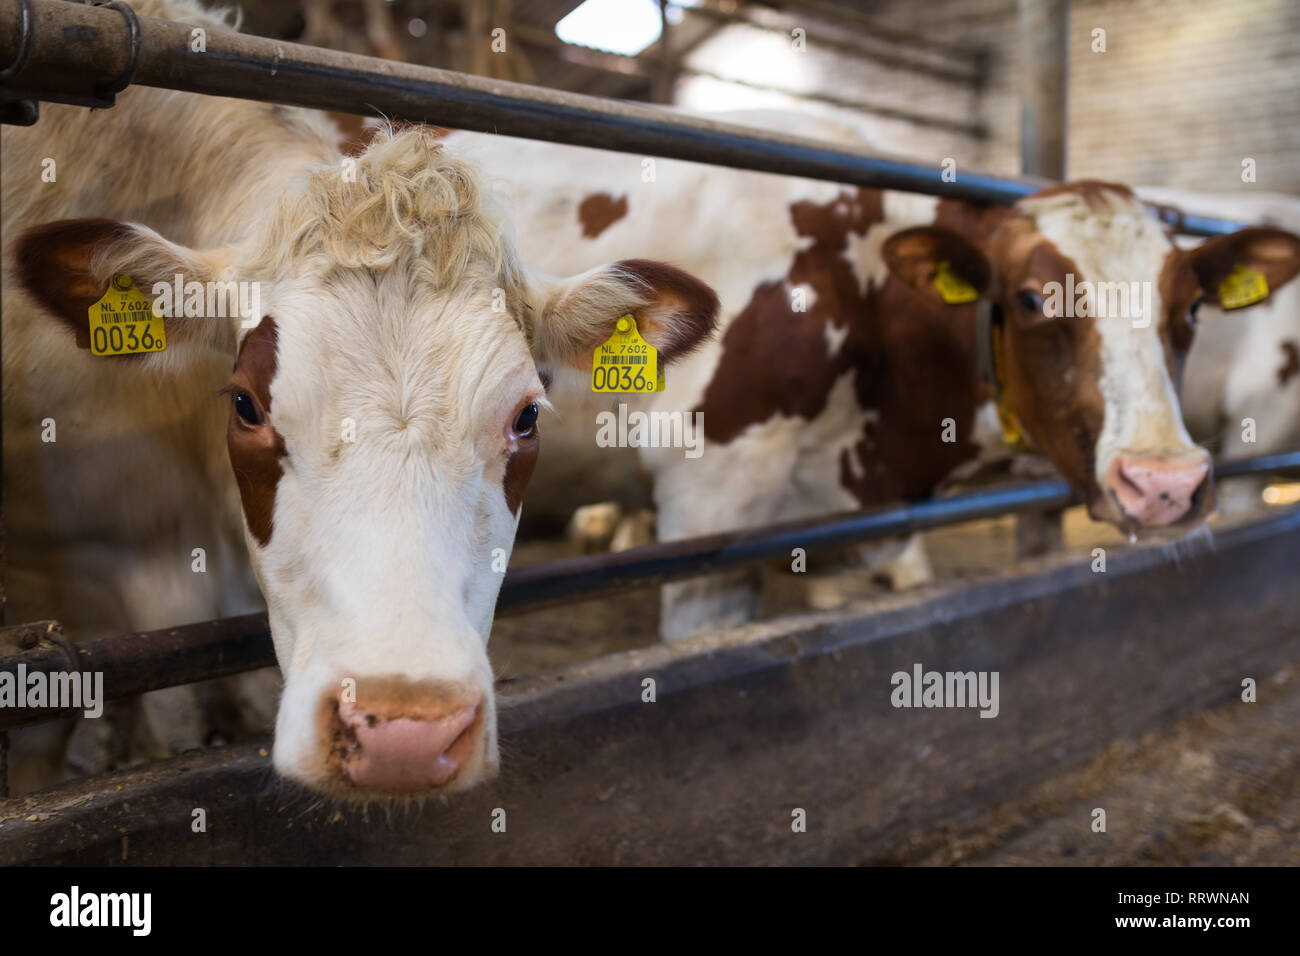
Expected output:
(861, 392)
(786, 413)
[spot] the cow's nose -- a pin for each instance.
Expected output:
(389, 751)
(1157, 491)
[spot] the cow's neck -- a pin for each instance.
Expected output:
(916, 376)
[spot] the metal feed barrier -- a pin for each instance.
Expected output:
(83, 55)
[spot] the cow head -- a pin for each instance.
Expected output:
(1093, 311)
(382, 427)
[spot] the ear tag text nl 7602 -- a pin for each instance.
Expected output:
(625, 362)
(123, 322)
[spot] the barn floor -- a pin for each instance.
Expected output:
(1219, 787)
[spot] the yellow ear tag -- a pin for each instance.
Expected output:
(122, 322)
(1242, 288)
(625, 362)
(1012, 436)
(954, 289)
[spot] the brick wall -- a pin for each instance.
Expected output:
(1184, 92)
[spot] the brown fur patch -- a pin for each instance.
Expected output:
(1291, 364)
(1274, 252)
(973, 221)
(1052, 366)
(256, 450)
(912, 360)
(519, 468)
(683, 313)
(53, 263)
(599, 211)
(1179, 291)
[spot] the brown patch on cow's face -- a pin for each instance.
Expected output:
(1291, 363)
(598, 212)
(519, 468)
(1180, 294)
(255, 446)
(911, 359)
(1051, 365)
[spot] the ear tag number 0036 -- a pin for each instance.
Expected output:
(122, 322)
(953, 288)
(625, 362)
(1242, 288)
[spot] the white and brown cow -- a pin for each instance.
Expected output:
(842, 378)
(371, 445)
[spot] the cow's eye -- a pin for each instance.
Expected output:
(526, 420)
(245, 409)
(1030, 300)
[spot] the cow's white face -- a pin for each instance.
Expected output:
(382, 427)
(381, 436)
(1098, 313)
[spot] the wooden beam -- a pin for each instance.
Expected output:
(1044, 64)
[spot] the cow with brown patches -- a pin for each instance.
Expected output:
(849, 372)
(368, 454)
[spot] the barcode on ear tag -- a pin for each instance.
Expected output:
(953, 288)
(625, 362)
(1242, 288)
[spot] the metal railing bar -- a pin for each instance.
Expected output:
(139, 662)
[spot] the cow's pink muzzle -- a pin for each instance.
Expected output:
(1154, 492)
(393, 752)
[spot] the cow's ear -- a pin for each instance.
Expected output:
(939, 264)
(67, 267)
(1230, 268)
(674, 311)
